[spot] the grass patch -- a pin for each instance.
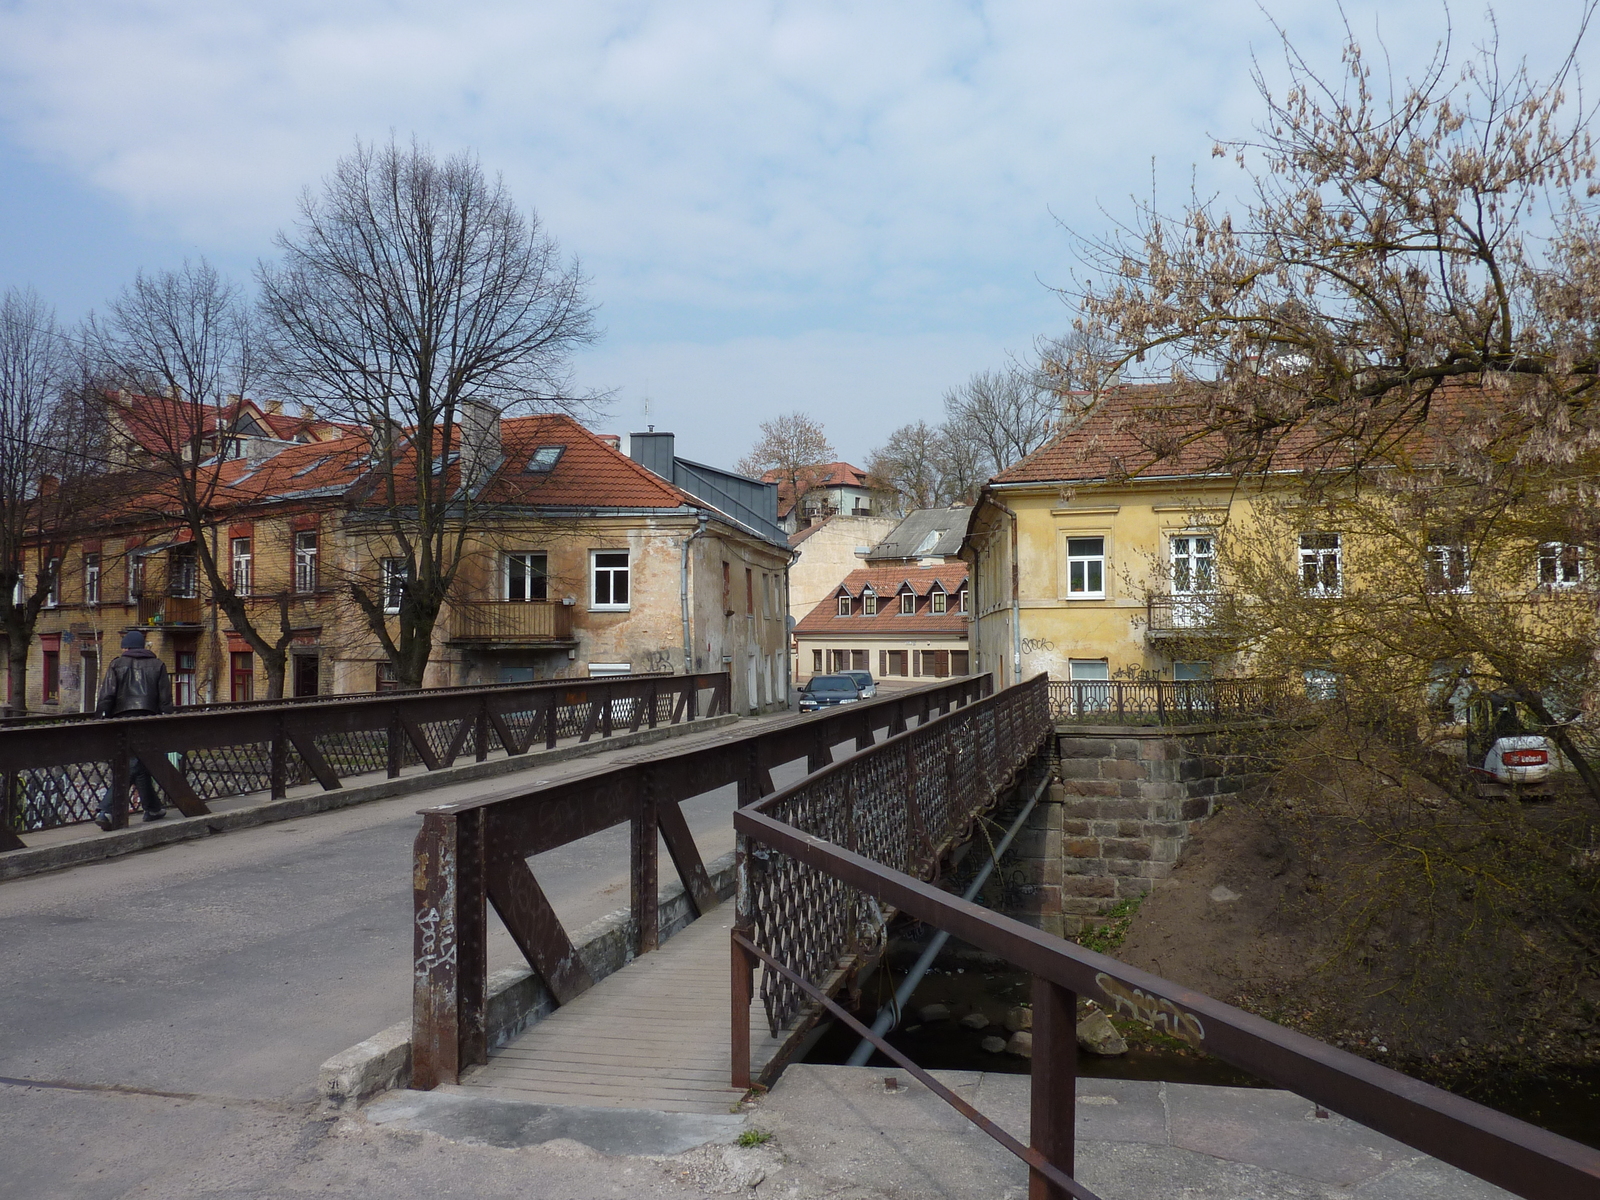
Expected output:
(753, 1137)
(1107, 937)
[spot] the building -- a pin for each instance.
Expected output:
(578, 560)
(821, 492)
(898, 621)
(825, 553)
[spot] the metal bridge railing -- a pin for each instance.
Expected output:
(55, 774)
(1168, 701)
(474, 854)
(839, 849)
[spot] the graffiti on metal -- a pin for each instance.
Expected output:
(1156, 1011)
(436, 930)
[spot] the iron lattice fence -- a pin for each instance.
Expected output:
(1169, 701)
(902, 804)
(55, 773)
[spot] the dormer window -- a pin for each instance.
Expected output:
(544, 460)
(844, 604)
(938, 601)
(908, 603)
(869, 603)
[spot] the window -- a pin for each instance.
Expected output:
(1447, 567)
(526, 576)
(839, 660)
(727, 589)
(305, 562)
(1091, 690)
(935, 663)
(961, 604)
(895, 663)
(1321, 565)
(1321, 684)
(610, 579)
(392, 579)
(869, 603)
(386, 681)
(749, 591)
(844, 604)
(1560, 565)
(938, 601)
(1194, 559)
(182, 577)
(959, 662)
(908, 604)
(242, 559)
(242, 672)
(544, 460)
(183, 678)
(816, 662)
(1191, 670)
(51, 684)
(91, 579)
(1086, 568)
(135, 575)
(52, 596)
(601, 670)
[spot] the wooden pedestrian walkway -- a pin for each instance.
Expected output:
(653, 1035)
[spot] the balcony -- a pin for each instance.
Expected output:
(512, 622)
(169, 610)
(1198, 615)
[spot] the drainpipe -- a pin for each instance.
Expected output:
(1016, 601)
(889, 1015)
(683, 595)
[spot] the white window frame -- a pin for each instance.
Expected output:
(1317, 558)
(963, 601)
(612, 573)
(52, 597)
(183, 584)
(1442, 561)
(1560, 557)
(243, 563)
(869, 603)
(605, 670)
(535, 566)
(841, 606)
(392, 577)
(91, 579)
(1083, 567)
(908, 603)
(306, 561)
(1193, 558)
(938, 602)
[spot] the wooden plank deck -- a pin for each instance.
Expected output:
(653, 1035)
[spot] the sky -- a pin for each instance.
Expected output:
(841, 209)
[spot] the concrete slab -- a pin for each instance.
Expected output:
(473, 1118)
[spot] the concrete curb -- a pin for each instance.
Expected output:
(35, 860)
(516, 997)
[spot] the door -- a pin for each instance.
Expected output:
(1194, 559)
(306, 674)
(91, 679)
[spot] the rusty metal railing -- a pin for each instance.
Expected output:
(806, 861)
(474, 854)
(54, 775)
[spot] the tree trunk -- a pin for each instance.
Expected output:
(16, 697)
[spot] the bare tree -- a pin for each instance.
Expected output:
(793, 450)
(412, 290)
(46, 453)
(1010, 412)
(909, 467)
(186, 341)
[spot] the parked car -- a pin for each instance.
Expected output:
(825, 691)
(1504, 745)
(864, 681)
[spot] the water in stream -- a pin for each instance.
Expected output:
(1568, 1105)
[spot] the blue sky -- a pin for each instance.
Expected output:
(841, 208)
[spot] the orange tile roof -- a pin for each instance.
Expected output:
(887, 583)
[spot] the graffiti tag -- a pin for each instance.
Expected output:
(1157, 1011)
(1034, 645)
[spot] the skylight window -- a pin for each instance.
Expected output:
(929, 542)
(544, 460)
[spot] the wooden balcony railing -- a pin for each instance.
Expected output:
(511, 621)
(169, 610)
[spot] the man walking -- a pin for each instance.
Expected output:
(135, 685)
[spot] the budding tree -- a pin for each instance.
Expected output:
(792, 450)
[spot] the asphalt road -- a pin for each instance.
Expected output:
(223, 972)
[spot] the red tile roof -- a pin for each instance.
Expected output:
(837, 474)
(888, 582)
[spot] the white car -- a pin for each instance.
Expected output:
(1520, 760)
(1502, 747)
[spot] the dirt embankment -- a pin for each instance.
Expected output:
(1364, 898)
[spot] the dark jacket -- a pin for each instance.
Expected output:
(135, 682)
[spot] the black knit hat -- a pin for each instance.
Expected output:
(133, 640)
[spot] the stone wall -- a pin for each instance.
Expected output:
(1128, 800)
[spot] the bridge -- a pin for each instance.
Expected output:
(832, 847)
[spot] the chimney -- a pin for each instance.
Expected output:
(308, 411)
(478, 425)
(614, 440)
(654, 451)
(275, 407)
